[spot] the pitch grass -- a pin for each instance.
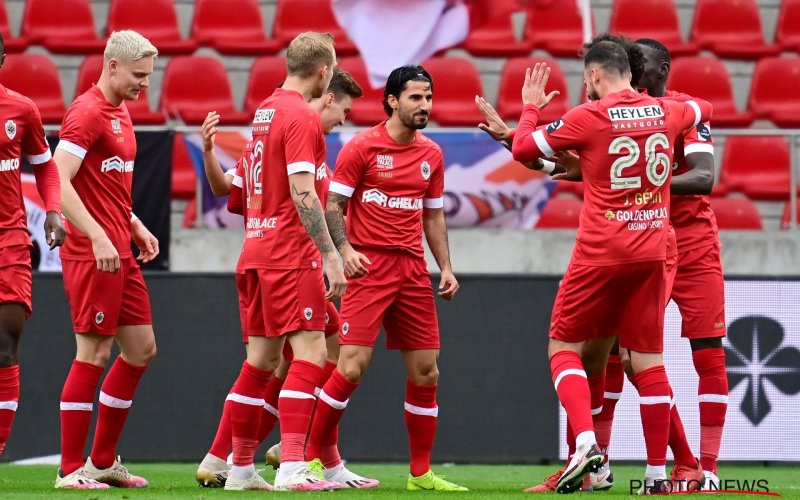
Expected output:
(176, 481)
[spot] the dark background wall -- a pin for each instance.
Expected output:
(496, 400)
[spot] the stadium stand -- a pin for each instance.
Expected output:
(773, 92)
(367, 110)
(656, 19)
(707, 78)
(730, 29)
(560, 213)
(141, 114)
(293, 17)
(757, 166)
(155, 19)
(186, 96)
(456, 83)
(235, 31)
(491, 30)
(555, 27)
(266, 74)
(736, 213)
(787, 32)
(63, 26)
(11, 44)
(509, 105)
(36, 76)
(787, 215)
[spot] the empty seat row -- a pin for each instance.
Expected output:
(731, 213)
(67, 26)
(729, 29)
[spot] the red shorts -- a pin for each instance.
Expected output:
(241, 292)
(15, 276)
(282, 301)
(699, 292)
(671, 267)
(625, 298)
(100, 302)
(396, 293)
(331, 329)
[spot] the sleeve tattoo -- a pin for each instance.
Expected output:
(334, 216)
(310, 211)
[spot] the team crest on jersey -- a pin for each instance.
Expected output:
(11, 129)
(425, 168)
(345, 328)
(555, 126)
(99, 317)
(116, 126)
(308, 313)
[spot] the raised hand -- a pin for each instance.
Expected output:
(534, 86)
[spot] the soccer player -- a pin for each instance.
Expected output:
(26, 142)
(624, 141)
(699, 287)
(286, 247)
(106, 292)
(390, 179)
(332, 107)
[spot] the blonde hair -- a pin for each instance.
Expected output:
(307, 52)
(128, 46)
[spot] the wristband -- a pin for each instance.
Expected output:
(548, 166)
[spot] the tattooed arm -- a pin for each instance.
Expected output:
(334, 215)
(309, 209)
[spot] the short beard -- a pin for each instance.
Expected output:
(408, 121)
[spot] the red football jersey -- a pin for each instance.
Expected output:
(694, 221)
(625, 143)
(101, 134)
(287, 139)
(389, 184)
(23, 140)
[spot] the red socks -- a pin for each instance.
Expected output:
(614, 380)
(654, 405)
(572, 388)
(9, 396)
(222, 440)
(295, 406)
(712, 392)
(116, 395)
(421, 414)
(677, 437)
(327, 371)
(77, 399)
(269, 417)
(333, 399)
(247, 402)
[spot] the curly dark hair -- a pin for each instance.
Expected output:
(635, 54)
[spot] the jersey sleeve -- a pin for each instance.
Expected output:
(301, 139)
(698, 140)
(532, 142)
(688, 113)
(35, 149)
(349, 169)
(434, 196)
(79, 131)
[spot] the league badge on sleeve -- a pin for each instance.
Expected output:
(425, 168)
(555, 126)
(11, 129)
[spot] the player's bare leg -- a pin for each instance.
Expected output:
(12, 320)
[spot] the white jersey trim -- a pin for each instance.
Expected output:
(612, 395)
(433, 202)
(596, 411)
(238, 181)
(333, 403)
(571, 371)
(8, 405)
(342, 189)
(38, 159)
(271, 409)
(71, 147)
(544, 147)
(418, 410)
(295, 394)
(698, 148)
(696, 109)
(713, 398)
(301, 166)
(66, 406)
(114, 402)
(245, 400)
(654, 400)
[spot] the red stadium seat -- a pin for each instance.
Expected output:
(773, 93)
(35, 76)
(10, 43)
(231, 30)
(555, 26)
(63, 26)
(567, 188)
(657, 19)
(786, 220)
(491, 32)
(509, 102)
(184, 178)
(456, 82)
(193, 86)
(155, 19)
(707, 78)
(560, 213)
(266, 74)
(757, 166)
(140, 111)
(736, 213)
(787, 32)
(368, 109)
(730, 29)
(293, 17)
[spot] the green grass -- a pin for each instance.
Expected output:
(485, 482)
